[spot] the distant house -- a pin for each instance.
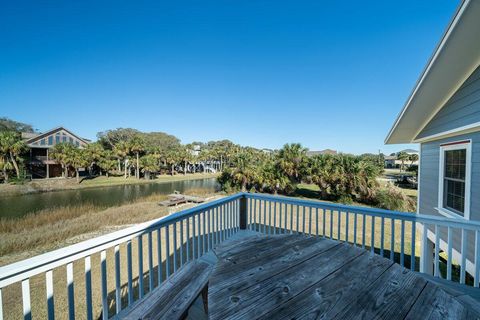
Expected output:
(392, 160)
(326, 151)
(442, 114)
(39, 163)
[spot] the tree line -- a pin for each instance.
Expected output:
(123, 151)
(341, 177)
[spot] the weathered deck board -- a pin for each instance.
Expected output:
(284, 277)
(328, 297)
(435, 303)
(242, 276)
(172, 299)
(254, 301)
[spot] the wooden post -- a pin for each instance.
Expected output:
(243, 213)
(47, 165)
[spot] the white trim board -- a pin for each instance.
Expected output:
(474, 127)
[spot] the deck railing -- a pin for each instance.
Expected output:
(174, 240)
(98, 275)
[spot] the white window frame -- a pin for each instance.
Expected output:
(455, 145)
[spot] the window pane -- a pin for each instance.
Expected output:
(454, 195)
(455, 161)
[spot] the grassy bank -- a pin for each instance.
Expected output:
(57, 184)
(50, 229)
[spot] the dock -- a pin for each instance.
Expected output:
(177, 198)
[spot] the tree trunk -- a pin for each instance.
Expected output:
(172, 169)
(125, 165)
(185, 169)
(106, 173)
(77, 174)
(5, 174)
(14, 161)
(119, 167)
(137, 169)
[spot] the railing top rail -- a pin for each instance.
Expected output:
(26, 268)
(423, 218)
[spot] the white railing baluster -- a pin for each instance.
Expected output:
(1, 305)
(194, 238)
(310, 221)
(264, 217)
(204, 233)
(181, 243)
(339, 221)
(303, 219)
(27, 309)
(159, 256)
(464, 257)
(324, 222)
(331, 224)
(364, 229)
(476, 274)
(129, 272)
(354, 229)
(255, 215)
(70, 292)
(222, 224)
(436, 270)
(174, 231)
(209, 230)
(392, 239)
(140, 266)
(88, 287)
(103, 271)
(382, 236)
(347, 222)
(298, 219)
(167, 252)
(316, 226)
(412, 258)
(291, 219)
(402, 244)
(449, 253)
(274, 217)
(118, 288)
(150, 261)
(279, 216)
(372, 237)
(187, 244)
(49, 288)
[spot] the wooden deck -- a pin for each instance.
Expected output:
(298, 277)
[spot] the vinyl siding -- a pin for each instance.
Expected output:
(462, 109)
(429, 175)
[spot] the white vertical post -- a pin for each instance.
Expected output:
(140, 266)
(70, 291)
(50, 301)
(464, 257)
(88, 288)
(103, 268)
(159, 255)
(27, 310)
(129, 272)
(150, 262)
(118, 288)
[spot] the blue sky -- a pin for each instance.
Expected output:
(328, 74)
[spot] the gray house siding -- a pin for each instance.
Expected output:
(429, 175)
(462, 109)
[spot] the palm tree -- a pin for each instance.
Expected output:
(6, 166)
(149, 164)
(94, 152)
(12, 146)
(59, 154)
(403, 156)
(76, 158)
(107, 162)
(122, 150)
(137, 146)
(413, 157)
(292, 159)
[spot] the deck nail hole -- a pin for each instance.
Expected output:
(286, 289)
(234, 299)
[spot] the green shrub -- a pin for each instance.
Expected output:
(393, 198)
